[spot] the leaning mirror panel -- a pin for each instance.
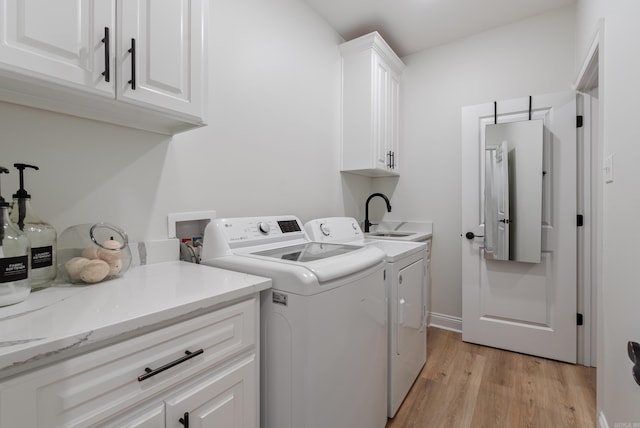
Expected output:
(513, 191)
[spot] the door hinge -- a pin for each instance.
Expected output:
(579, 319)
(580, 220)
(579, 121)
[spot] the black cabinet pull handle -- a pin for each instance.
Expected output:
(393, 160)
(150, 372)
(389, 159)
(133, 64)
(105, 40)
(184, 420)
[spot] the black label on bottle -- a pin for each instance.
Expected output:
(41, 257)
(13, 268)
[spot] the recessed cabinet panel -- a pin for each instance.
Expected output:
(381, 83)
(225, 399)
(410, 284)
(60, 41)
(148, 418)
(393, 121)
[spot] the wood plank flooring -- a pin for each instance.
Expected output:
(466, 385)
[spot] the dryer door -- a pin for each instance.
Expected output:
(410, 351)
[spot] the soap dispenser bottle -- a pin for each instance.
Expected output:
(15, 283)
(42, 236)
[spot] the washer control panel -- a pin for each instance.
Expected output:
(257, 229)
(334, 229)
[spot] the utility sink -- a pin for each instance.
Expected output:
(401, 231)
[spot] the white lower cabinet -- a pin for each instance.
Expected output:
(200, 372)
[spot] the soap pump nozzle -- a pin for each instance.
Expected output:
(3, 170)
(21, 195)
(3, 205)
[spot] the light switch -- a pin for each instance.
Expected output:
(608, 169)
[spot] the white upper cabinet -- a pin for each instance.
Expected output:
(75, 57)
(370, 107)
(167, 67)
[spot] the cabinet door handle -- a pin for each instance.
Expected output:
(150, 372)
(393, 160)
(133, 64)
(184, 420)
(105, 40)
(389, 159)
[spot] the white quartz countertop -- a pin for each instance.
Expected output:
(61, 320)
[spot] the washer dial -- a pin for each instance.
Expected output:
(326, 231)
(264, 227)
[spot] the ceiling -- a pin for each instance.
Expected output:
(410, 26)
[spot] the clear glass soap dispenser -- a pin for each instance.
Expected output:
(42, 236)
(15, 283)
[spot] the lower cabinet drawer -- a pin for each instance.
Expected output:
(88, 389)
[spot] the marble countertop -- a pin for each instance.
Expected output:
(65, 320)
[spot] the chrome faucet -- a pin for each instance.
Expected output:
(367, 223)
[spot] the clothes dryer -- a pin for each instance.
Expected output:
(406, 300)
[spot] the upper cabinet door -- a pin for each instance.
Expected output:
(62, 41)
(370, 107)
(165, 69)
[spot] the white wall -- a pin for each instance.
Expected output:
(530, 57)
(619, 89)
(271, 146)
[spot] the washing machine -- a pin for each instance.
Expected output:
(322, 325)
(406, 279)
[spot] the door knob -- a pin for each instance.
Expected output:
(471, 235)
(633, 349)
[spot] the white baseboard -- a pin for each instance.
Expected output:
(446, 322)
(602, 421)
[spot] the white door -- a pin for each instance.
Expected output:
(62, 41)
(523, 307)
(165, 68)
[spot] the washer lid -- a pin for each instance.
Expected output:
(326, 261)
(308, 252)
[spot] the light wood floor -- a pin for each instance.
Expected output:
(465, 385)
